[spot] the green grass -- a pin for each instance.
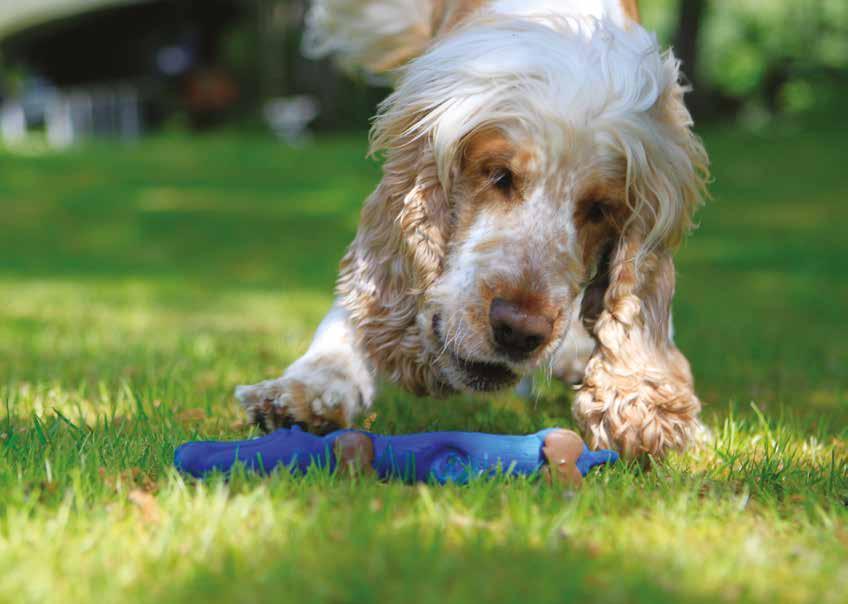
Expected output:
(139, 284)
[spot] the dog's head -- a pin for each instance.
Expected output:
(520, 156)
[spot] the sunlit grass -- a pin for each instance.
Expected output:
(140, 284)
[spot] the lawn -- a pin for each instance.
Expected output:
(141, 283)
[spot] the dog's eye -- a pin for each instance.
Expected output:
(502, 179)
(596, 212)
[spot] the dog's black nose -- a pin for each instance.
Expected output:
(517, 332)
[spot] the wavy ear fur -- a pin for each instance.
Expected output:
(396, 255)
(638, 394)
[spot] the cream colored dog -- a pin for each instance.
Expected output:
(539, 172)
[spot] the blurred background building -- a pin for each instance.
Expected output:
(74, 69)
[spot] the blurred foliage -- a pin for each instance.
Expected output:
(746, 38)
(776, 55)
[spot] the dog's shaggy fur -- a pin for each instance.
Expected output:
(537, 152)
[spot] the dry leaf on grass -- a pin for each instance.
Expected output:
(133, 477)
(191, 416)
(146, 503)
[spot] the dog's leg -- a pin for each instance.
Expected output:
(323, 390)
(638, 394)
(570, 359)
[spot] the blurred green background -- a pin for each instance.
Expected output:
(220, 62)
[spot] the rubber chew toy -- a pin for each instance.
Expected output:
(440, 456)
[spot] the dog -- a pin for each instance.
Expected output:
(539, 171)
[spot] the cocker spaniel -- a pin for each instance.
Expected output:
(539, 171)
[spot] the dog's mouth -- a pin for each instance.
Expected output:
(480, 376)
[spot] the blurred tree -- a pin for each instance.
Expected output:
(274, 20)
(690, 18)
(765, 55)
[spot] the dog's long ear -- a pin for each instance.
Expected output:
(638, 394)
(396, 255)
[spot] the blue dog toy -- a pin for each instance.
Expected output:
(439, 456)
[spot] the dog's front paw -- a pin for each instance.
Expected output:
(317, 394)
(638, 427)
